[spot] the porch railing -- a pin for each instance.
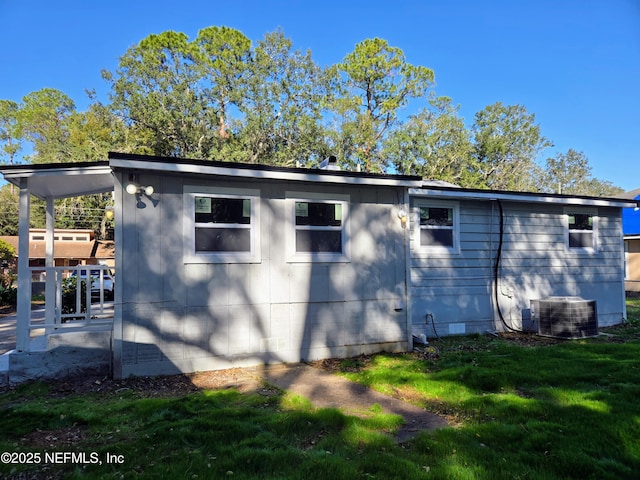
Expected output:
(83, 297)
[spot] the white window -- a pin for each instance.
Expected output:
(582, 229)
(318, 227)
(436, 226)
(221, 225)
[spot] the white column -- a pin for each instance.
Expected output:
(24, 273)
(50, 286)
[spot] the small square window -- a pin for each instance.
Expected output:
(318, 229)
(222, 224)
(436, 228)
(221, 227)
(581, 230)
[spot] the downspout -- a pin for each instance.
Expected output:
(23, 307)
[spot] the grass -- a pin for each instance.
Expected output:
(567, 410)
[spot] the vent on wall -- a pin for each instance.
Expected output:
(567, 317)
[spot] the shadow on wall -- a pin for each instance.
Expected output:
(187, 317)
(535, 263)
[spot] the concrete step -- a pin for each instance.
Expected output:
(4, 369)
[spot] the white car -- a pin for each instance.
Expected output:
(107, 281)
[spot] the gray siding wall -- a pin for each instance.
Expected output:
(183, 317)
(457, 288)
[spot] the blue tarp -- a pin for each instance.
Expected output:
(631, 220)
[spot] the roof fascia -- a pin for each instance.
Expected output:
(45, 178)
(257, 173)
(21, 171)
(520, 197)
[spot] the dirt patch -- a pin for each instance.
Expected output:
(47, 439)
(168, 386)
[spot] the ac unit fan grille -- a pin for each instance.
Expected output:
(567, 317)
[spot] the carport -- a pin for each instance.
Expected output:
(47, 182)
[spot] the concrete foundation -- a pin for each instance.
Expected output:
(65, 354)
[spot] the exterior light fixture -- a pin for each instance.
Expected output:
(108, 212)
(133, 189)
(402, 215)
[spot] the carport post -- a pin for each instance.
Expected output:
(50, 285)
(24, 273)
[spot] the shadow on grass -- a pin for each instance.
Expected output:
(565, 411)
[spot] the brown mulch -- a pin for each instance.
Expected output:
(164, 386)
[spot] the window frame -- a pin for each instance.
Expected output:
(568, 211)
(189, 226)
(430, 250)
(307, 257)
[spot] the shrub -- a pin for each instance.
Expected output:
(69, 289)
(8, 292)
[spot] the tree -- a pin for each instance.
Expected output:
(10, 134)
(507, 142)
(567, 173)
(7, 251)
(92, 134)
(44, 117)
(226, 56)
(8, 210)
(570, 173)
(434, 144)
(156, 89)
(377, 82)
(283, 98)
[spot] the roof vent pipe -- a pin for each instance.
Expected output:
(330, 163)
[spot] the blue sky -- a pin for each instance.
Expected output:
(575, 64)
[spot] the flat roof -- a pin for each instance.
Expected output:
(435, 191)
(61, 180)
(75, 179)
(257, 171)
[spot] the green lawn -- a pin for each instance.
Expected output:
(519, 409)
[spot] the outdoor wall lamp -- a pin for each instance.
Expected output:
(133, 187)
(402, 215)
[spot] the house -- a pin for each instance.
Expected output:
(72, 247)
(226, 264)
(631, 230)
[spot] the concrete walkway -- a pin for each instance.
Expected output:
(8, 329)
(326, 390)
